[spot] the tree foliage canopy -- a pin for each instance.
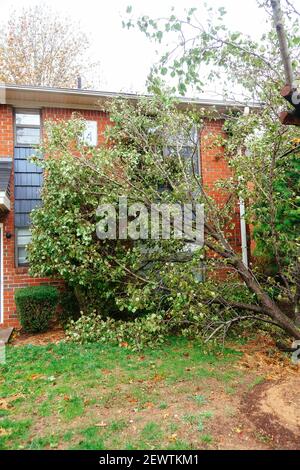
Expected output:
(40, 47)
(161, 276)
(149, 276)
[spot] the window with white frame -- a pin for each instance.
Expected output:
(23, 237)
(90, 133)
(185, 146)
(27, 127)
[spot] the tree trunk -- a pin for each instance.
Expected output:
(81, 298)
(283, 44)
(270, 307)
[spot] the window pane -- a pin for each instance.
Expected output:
(187, 152)
(22, 258)
(90, 133)
(23, 238)
(27, 135)
(28, 119)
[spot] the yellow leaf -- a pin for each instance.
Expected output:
(3, 432)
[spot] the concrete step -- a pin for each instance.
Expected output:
(5, 334)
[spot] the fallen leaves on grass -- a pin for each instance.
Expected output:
(6, 403)
(3, 432)
(172, 438)
(148, 405)
(55, 335)
(261, 355)
(36, 376)
(157, 378)
(238, 430)
(131, 399)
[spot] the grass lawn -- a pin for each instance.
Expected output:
(65, 396)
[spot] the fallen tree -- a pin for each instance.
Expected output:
(146, 160)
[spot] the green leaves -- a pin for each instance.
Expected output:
(36, 306)
(136, 281)
(149, 331)
(204, 50)
(182, 88)
(156, 285)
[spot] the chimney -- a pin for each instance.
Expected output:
(79, 83)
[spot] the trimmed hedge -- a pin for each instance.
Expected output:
(36, 306)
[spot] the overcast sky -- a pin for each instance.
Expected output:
(126, 56)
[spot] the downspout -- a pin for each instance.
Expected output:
(243, 233)
(244, 242)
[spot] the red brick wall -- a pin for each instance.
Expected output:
(7, 150)
(91, 115)
(213, 167)
(213, 164)
(6, 131)
(16, 277)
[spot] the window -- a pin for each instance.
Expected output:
(90, 133)
(23, 237)
(187, 147)
(28, 124)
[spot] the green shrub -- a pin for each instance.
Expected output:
(36, 306)
(70, 309)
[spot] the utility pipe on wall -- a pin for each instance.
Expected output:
(243, 233)
(244, 241)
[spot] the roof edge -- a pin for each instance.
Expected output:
(10, 94)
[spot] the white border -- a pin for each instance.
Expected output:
(1, 275)
(4, 200)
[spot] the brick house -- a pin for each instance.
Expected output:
(23, 110)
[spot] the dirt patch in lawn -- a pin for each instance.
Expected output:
(201, 413)
(274, 408)
(55, 335)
